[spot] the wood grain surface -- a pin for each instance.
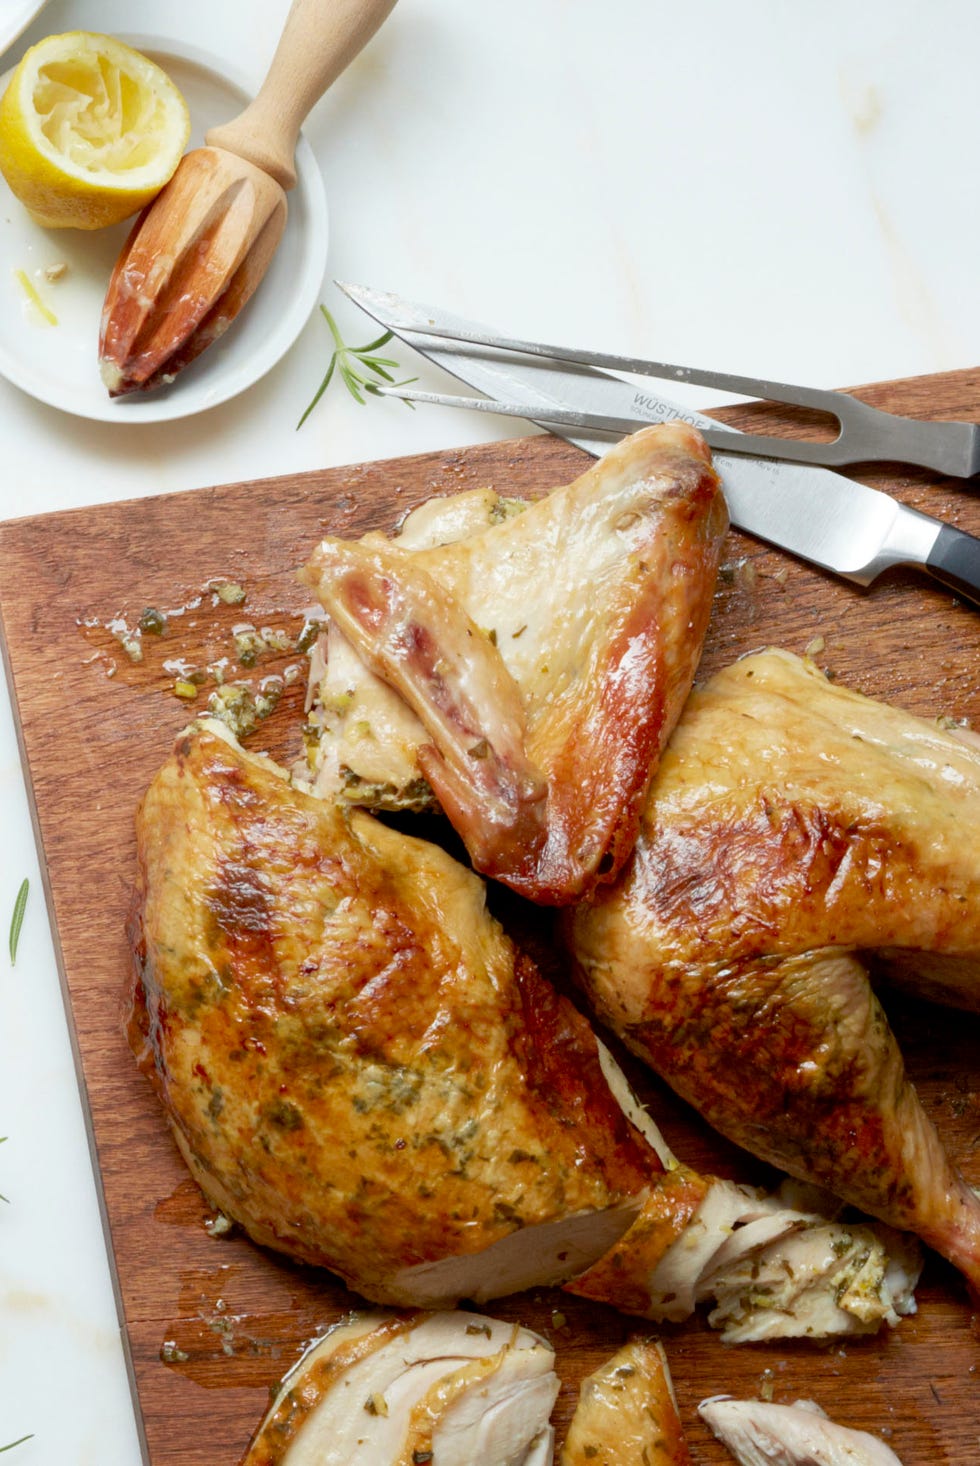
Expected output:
(211, 1322)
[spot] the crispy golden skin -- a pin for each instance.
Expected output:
(794, 828)
(362, 1069)
(356, 1062)
(626, 1413)
(546, 658)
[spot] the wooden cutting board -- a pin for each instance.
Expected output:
(212, 1322)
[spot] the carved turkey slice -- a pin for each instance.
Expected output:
(543, 660)
(770, 1269)
(391, 1389)
(627, 1414)
(760, 1434)
(793, 828)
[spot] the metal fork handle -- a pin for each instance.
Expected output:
(870, 436)
(873, 436)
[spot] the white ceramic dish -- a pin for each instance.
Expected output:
(58, 363)
(15, 17)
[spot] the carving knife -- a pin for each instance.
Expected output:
(819, 515)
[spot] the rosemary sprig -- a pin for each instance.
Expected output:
(10, 1444)
(17, 920)
(348, 362)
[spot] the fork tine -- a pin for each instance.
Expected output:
(728, 439)
(865, 433)
(821, 399)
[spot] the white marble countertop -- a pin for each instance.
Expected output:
(788, 190)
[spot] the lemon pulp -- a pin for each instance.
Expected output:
(90, 130)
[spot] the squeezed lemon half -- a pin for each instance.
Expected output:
(90, 130)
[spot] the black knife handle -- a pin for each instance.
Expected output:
(955, 560)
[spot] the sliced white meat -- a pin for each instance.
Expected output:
(541, 1451)
(536, 1256)
(382, 1389)
(491, 1410)
(816, 1280)
(771, 1270)
(761, 1434)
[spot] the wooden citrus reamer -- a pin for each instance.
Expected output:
(198, 252)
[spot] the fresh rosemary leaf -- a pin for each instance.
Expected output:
(10, 1444)
(319, 391)
(382, 371)
(348, 361)
(17, 920)
(382, 340)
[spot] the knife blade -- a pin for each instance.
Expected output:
(821, 516)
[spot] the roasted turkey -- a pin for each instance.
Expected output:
(759, 1433)
(626, 1413)
(383, 1389)
(356, 1063)
(363, 1070)
(797, 834)
(527, 671)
